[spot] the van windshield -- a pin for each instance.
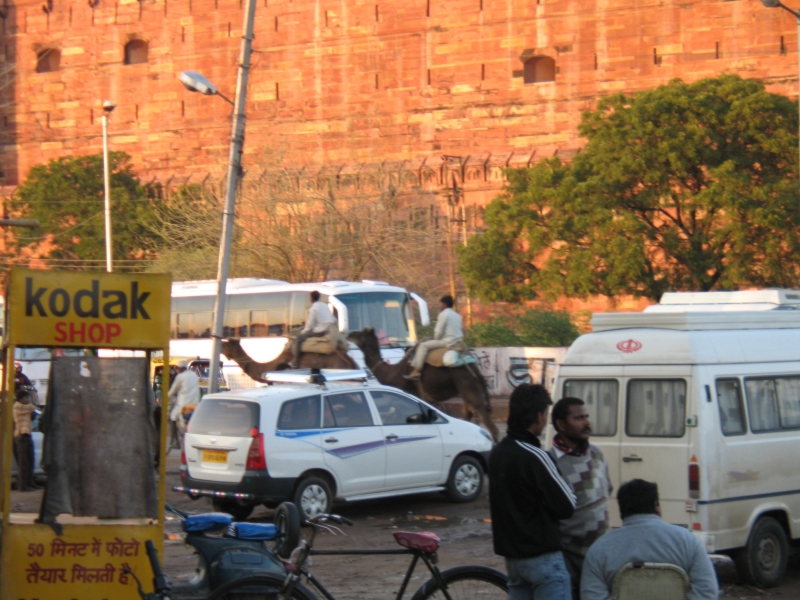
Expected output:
(235, 418)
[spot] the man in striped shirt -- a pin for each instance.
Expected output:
(23, 442)
(527, 498)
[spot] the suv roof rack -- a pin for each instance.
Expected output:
(318, 376)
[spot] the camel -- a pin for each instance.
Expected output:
(437, 383)
(232, 348)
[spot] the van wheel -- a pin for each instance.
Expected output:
(287, 523)
(762, 562)
(466, 479)
(240, 512)
(313, 497)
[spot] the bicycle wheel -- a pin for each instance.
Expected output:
(467, 583)
(259, 587)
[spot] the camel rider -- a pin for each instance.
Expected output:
(448, 333)
(318, 321)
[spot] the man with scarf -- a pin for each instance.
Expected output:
(585, 468)
(527, 498)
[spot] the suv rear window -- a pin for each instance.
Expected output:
(224, 417)
(303, 413)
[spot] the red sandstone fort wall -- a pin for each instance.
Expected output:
(346, 82)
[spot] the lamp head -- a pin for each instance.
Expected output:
(195, 82)
(770, 3)
(108, 106)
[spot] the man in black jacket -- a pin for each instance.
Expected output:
(528, 497)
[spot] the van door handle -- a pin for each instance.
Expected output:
(631, 459)
(331, 440)
(391, 437)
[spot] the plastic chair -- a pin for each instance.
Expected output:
(654, 581)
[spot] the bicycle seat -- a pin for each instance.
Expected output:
(424, 541)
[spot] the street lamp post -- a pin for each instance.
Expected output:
(108, 108)
(197, 83)
(796, 15)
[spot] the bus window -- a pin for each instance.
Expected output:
(259, 323)
(297, 319)
(235, 323)
(277, 322)
(184, 326)
(387, 312)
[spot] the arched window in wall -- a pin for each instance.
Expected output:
(539, 69)
(48, 60)
(135, 52)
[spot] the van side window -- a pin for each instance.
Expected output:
(656, 408)
(347, 410)
(773, 403)
(601, 398)
(731, 408)
(302, 413)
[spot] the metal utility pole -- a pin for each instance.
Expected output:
(108, 107)
(234, 167)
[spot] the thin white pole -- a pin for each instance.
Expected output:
(234, 166)
(107, 185)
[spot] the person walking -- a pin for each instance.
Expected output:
(585, 468)
(21, 380)
(185, 389)
(449, 332)
(527, 498)
(318, 320)
(23, 441)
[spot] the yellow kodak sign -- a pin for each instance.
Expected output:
(107, 310)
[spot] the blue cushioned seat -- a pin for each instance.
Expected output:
(253, 531)
(206, 522)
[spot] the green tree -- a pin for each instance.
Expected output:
(66, 196)
(683, 187)
(534, 327)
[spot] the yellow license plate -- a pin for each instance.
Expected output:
(215, 456)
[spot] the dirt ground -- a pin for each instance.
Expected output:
(463, 528)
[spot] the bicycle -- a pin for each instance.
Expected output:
(458, 583)
(163, 591)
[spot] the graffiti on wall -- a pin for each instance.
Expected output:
(507, 368)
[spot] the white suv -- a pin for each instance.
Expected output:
(316, 437)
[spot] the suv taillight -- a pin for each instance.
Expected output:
(256, 458)
(694, 480)
(183, 456)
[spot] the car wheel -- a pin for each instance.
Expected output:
(762, 562)
(466, 479)
(313, 497)
(240, 512)
(287, 522)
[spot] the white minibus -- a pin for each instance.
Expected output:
(261, 312)
(701, 394)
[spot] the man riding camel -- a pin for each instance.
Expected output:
(448, 333)
(317, 322)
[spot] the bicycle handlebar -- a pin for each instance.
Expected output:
(338, 519)
(160, 584)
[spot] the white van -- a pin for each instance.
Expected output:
(701, 394)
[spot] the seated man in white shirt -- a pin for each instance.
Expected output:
(317, 322)
(449, 332)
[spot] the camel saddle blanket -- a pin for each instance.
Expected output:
(332, 341)
(450, 357)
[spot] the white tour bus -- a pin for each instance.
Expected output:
(261, 312)
(701, 394)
